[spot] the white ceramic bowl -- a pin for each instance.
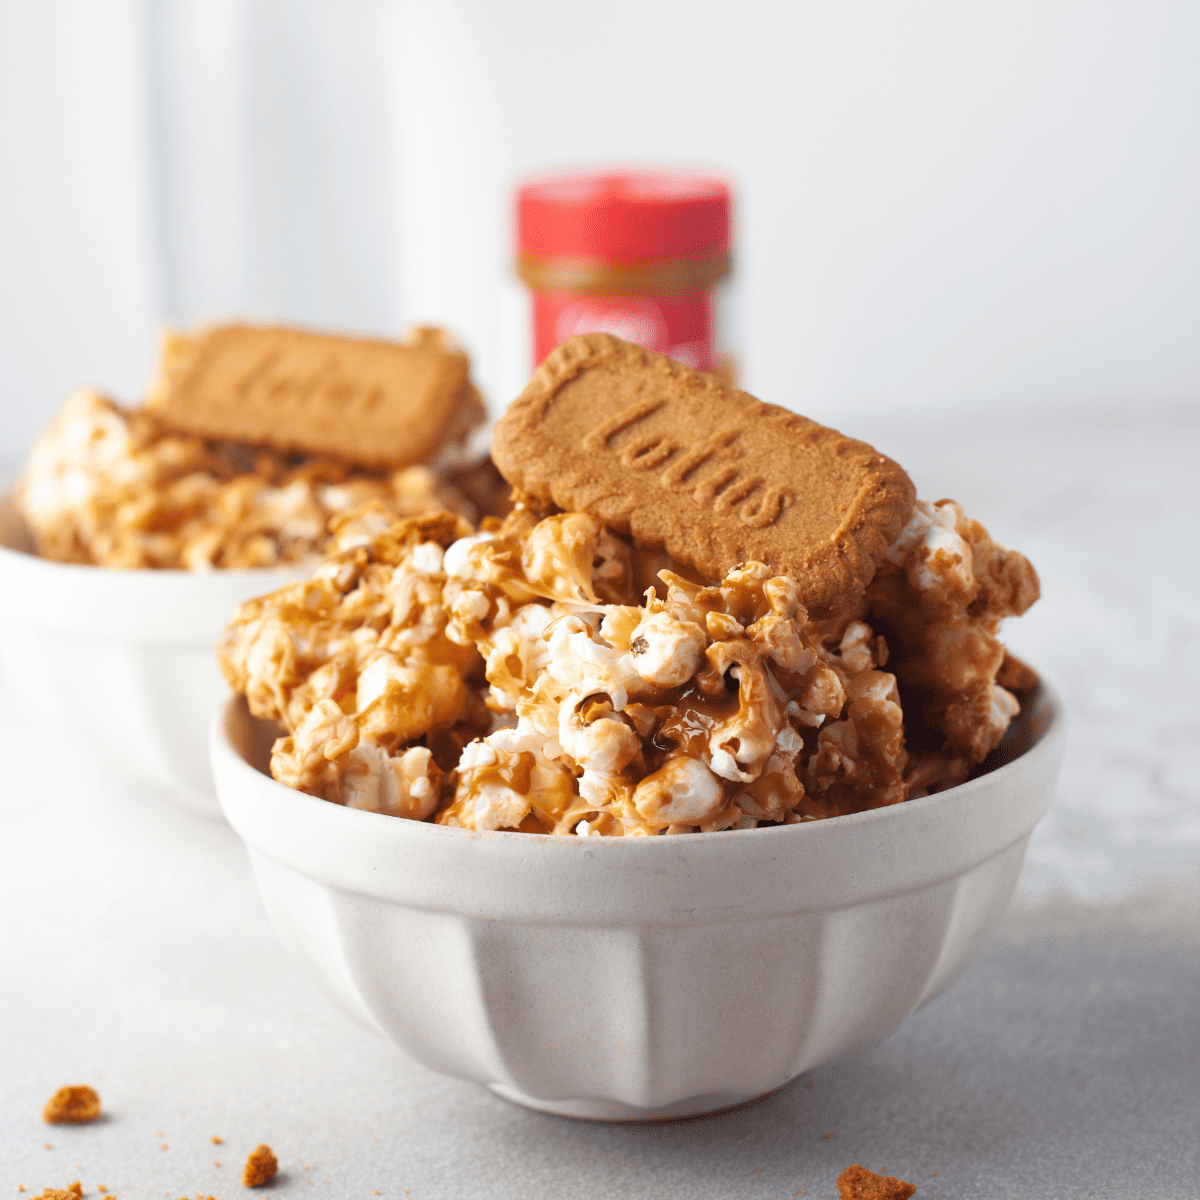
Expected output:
(123, 660)
(637, 978)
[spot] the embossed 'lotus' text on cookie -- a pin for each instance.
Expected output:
(371, 401)
(710, 474)
(725, 486)
(268, 381)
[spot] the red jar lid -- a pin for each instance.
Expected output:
(623, 215)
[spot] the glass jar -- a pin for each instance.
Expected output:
(644, 255)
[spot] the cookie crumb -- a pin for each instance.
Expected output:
(74, 1105)
(857, 1183)
(218, 1141)
(76, 1187)
(827, 1136)
(71, 1193)
(808, 1085)
(261, 1166)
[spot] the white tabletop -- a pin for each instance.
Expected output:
(135, 956)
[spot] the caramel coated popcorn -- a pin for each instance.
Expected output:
(116, 487)
(940, 597)
(511, 677)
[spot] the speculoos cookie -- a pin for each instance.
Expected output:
(679, 461)
(366, 400)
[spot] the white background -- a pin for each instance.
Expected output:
(942, 205)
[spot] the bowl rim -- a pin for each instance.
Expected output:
(1048, 743)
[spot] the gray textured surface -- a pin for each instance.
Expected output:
(1066, 1063)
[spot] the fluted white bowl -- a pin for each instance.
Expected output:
(637, 978)
(122, 660)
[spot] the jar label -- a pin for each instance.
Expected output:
(681, 327)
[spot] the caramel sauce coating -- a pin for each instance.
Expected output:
(509, 678)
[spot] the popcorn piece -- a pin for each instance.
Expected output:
(517, 652)
(557, 557)
(117, 488)
(74, 1105)
(498, 782)
(502, 679)
(408, 785)
(304, 760)
(505, 782)
(860, 759)
(683, 791)
(741, 744)
(667, 651)
(355, 663)
(940, 596)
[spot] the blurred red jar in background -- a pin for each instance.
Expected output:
(639, 254)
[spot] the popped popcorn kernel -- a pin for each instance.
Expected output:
(510, 679)
(941, 594)
(116, 487)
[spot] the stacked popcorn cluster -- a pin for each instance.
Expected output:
(118, 487)
(512, 678)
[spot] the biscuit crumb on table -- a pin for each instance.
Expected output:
(68, 1193)
(74, 1105)
(261, 1167)
(857, 1183)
